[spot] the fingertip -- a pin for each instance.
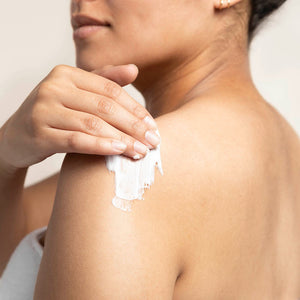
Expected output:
(134, 68)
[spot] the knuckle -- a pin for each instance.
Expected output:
(48, 89)
(137, 125)
(44, 89)
(105, 106)
(124, 139)
(73, 140)
(112, 89)
(139, 111)
(91, 124)
(60, 69)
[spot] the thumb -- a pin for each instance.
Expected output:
(121, 74)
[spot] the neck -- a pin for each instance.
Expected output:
(166, 87)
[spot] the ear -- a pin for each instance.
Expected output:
(221, 4)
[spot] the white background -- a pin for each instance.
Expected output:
(36, 35)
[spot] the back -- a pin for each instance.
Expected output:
(237, 200)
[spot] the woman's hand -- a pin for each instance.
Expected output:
(72, 110)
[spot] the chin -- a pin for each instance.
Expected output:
(91, 64)
(89, 59)
(85, 66)
(93, 57)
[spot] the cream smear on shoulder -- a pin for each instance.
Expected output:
(133, 176)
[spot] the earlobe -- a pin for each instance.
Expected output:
(221, 4)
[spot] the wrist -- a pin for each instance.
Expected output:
(6, 169)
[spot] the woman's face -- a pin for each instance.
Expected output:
(143, 32)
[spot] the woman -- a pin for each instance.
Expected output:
(223, 220)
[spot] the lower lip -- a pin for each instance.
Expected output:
(85, 31)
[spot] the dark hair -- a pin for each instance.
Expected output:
(260, 9)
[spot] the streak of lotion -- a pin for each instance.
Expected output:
(133, 176)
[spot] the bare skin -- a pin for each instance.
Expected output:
(239, 222)
(47, 122)
(231, 207)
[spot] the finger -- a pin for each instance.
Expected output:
(67, 119)
(110, 111)
(99, 85)
(79, 142)
(121, 74)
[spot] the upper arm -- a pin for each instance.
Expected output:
(94, 250)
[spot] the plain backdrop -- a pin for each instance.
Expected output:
(37, 35)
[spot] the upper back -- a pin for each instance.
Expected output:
(232, 173)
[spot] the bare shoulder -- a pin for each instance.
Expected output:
(213, 137)
(203, 158)
(217, 161)
(208, 152)
(136, 247)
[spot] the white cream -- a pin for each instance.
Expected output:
(133, 176)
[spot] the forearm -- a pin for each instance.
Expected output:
(12, 217)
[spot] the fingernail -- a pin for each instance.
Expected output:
(139, 147)
(152, 137)
(138, 156)
(150, 122)
(118, 146)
